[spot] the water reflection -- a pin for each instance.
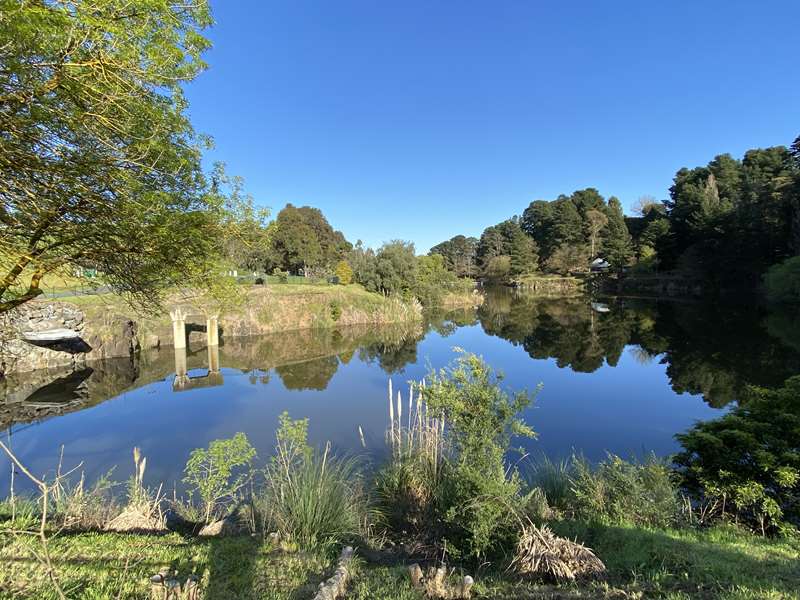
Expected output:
(640, 354)
(715, 350)
(712, 350)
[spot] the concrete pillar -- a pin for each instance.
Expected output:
(213, 359)
(178, 327)
(212, 330)
(181, 372)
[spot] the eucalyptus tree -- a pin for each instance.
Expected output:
(99, 164)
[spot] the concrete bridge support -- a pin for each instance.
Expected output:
(178, 328)
(212, 330)
(181, 372)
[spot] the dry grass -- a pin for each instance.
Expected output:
(542, 553)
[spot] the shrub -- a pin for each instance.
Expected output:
(782, 281)
(219, 472)
(618, 491)
(313, 498)
(283, 276)
(553, 479)
(336, 310)
(455, 487)
(344, 273)
(747, 463)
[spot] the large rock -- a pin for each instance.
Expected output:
(116, 337)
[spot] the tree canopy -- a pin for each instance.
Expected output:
(303, 240)
(99, 164)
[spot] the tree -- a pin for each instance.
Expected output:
(99, 164)
(365, 267)
(432, 279)
(645, 204)
(396, 267)
(459, 253)
(304, 240)
(344, 273)
(617, 248)
(567, 258)
(523, 258)
(782, 281)
(595, 222)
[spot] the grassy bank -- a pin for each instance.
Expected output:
(446, 497)
(551, 285)
(721, 562)
(258, 310)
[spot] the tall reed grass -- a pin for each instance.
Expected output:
(313, 498)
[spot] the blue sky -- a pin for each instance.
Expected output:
(422, 120)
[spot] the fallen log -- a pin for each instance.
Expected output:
(335, 586)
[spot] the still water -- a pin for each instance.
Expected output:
(623, 376)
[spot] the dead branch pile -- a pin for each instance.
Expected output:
(541, 552)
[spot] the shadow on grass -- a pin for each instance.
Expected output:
(245, 568)
(700, 563)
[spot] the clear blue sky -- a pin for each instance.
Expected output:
(424, 119)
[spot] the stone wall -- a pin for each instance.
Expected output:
(117, 337)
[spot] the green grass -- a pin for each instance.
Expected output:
(105, 565)
(718, 563)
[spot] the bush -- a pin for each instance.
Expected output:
(336, 310)
(314, 499)
(618, 491)
(747, 463)
(344, 273)
(283, 276)
(553, 480)
(782, 281)
(219, 472)
(455, 487)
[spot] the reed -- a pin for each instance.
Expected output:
(420, 435)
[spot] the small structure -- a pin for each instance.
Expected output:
(599, 265)
(182, 379)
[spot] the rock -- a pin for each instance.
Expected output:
(222, 528)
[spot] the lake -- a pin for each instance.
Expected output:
(617, 375)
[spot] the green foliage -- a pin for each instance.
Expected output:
(123, 191)
(344, 273)
(460, 255)
(303, 240)
(782, 281)
(396, 267)
(313, 498)
(614, 492)
(505, 251)
(554, 480)
(467, 496)
(748, 462)
(218, 472)
(433, 279)
(731, 219)
(336, 310)
(567, 258)
(498, 268)
(617, 491)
